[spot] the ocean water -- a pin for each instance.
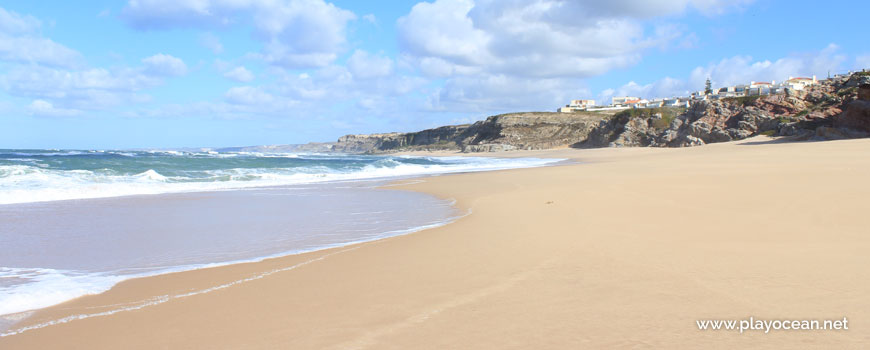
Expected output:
(74, 223)
(47, 175)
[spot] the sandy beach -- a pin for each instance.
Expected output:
(624, 248)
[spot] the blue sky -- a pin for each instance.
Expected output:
(188, 73)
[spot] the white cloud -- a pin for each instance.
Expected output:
(338, 83)
(52, 77)
(295, 33)
(13, 23)
(541, 48)
(743, 69)
(58, 83)
(211, 42)
(666, 87)
(20, 42)
(542, 38)
(47, 109)
(162, 14)
(248, 95)
(365, 66)
(737, 70)
(87, 89)
(35, 50)
(443, 30)
(503, 93)
(240, 74)
(165, 65)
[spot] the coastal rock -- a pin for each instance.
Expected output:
(781, 104)
(856, 116)
(864, 92)
(829, 133)
(692, 141)
(823, 133)
(838, 108)
(858, 79)
(526, 131)
(442, 138)
(532, 131)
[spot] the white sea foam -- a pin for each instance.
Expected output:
(164, 298)
(48, 287)
(23, 289)
(37, 288)
(22, 183)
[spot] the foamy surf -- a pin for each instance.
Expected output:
(27, 177)
(55, 250)
(156, 300)
(53, 287)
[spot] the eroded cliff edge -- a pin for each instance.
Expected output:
(832, 109)
(534, 130)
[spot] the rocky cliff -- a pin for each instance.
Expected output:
(528, 131)
(833, 109)
(830, 110)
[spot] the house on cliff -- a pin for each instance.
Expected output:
(577, 106)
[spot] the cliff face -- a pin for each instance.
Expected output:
(830, 110)
(536, 130)
(528, 131)
(442, 138)
(857, 114)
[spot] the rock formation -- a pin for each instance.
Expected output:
(505, 132)
(833, 109)
(857, 114)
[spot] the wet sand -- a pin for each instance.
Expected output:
(626, 249)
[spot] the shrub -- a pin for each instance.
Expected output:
(846, 91)
(785, 120)
(668, 115)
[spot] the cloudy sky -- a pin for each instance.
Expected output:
(179, 73)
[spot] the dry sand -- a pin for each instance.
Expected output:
(625, 250)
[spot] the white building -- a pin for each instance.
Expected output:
(581, 103)
(639, 103)
(654, 103)
(577, 106)
(800, 83)
(754, 88)
(623, 100)
(726, 92)
(676, 102)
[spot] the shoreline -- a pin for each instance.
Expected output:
(99, 278)
(536, 253)
(8, 321)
